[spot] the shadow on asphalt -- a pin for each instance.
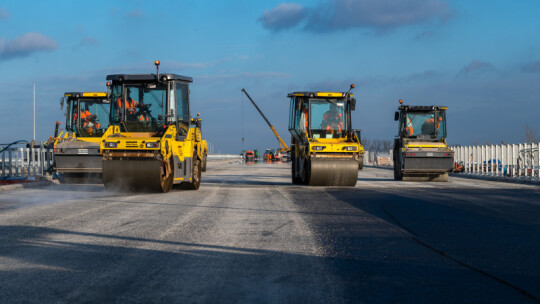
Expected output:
(60, 265)
(493, 233)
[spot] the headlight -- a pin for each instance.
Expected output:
(110, 145)
(318, 148)
(152, 144)
(351, 148)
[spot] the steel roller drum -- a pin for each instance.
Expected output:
(333, 172)
(425, 177)
(138, 175)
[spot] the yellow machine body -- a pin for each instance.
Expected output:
(321, 156)
(154, 144)
(77, 147)
(420, 149)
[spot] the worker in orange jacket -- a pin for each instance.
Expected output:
(431, 120)
(131, 105)
(409, 127)
(88, 120)
(333, 120)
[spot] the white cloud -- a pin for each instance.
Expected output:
(26, 45)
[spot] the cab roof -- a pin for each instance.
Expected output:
(421, 108)
(148, 77)
(319, 94)
(86, 94)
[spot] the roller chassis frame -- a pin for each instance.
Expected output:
(425, 165)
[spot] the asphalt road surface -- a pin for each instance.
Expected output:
(249, 236)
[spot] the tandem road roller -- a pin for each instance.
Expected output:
(77, 148)
(154, 143)
(420, 149)
(325, 151)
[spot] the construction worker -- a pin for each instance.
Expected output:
(88, 120)
(143, 113)
(428, 128)
(333, 119)
(431, 120)
(131, 105)
(409, 127)
(304, 116)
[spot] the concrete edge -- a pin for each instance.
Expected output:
(503, 179)
(379, 167)
(25, 185)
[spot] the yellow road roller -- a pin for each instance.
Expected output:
(154, 144)
(77, 148)
(420, 151)
(325, 150)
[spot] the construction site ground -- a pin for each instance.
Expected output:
(249, 235)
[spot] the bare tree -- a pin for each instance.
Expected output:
(530, 135)
(377, 145)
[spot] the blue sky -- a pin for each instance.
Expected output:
(480, 58)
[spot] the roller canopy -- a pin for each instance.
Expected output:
(148, 77)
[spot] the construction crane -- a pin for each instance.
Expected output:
(282, 144)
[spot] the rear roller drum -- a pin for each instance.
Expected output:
(80, 178)
(426, 177)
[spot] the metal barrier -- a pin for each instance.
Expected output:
(515, 161)
(223, 156)
(20, 159)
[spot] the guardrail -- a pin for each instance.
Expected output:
(514, 161)
(223, 156)
(21, 159)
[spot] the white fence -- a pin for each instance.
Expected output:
(517, 161)
(19, 160)
(224, 156)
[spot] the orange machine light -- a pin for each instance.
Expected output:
(400, 101)
(156, 62)
(352, 86)
(108, 83)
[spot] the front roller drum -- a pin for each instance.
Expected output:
(137, 175)
(332, 172)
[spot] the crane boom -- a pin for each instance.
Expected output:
(280, 140)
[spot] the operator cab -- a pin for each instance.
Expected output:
(426, 123)
(150, 102)
(320, 114)
(87, 113)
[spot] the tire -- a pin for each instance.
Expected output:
(306, 175)
(361, 164)
(295, 179)
(398, 173)
(203, 168)
(166, 180)
(195, 177)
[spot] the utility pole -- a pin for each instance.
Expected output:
(34, 111)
